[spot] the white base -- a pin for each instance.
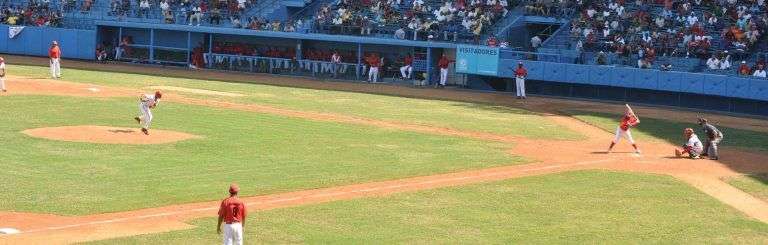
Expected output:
(8, 231)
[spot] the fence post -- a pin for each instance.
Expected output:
(210, 50)
(359, 60)
(429, 66)
(189, 46)
(151, 45)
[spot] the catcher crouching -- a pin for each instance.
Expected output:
(692, 147)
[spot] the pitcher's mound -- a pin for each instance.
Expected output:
(108, 135)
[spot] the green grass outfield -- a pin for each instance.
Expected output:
(458, 115)
(672, 132)
(754, 184)
(591, 207)
(273, 153)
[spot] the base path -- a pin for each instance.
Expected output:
(551, 157)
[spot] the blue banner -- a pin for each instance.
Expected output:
(477, 60)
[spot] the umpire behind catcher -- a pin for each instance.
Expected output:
(714, 136)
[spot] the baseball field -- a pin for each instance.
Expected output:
(333, 162)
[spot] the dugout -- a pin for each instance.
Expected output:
(270, 52)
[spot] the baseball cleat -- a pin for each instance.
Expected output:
(145, 131)
(138, 120)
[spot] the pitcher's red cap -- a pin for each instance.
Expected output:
(233, 188)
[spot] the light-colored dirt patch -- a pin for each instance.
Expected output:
(21, 85)
(108, 135)
(195, 91)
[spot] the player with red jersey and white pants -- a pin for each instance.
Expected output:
(54, 53)
(232, 213)
(406, 70)
(443, 65)
(623, 130)
(520, 74)
(373, 72)
(146, 103)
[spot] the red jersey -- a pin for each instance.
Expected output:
(54, 52)
(627, 122)
(374, 61)
(443, 63)
(408, 60)
(521, 72)
(232, 210)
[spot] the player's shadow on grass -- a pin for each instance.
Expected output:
(123, 131)
(494, 108)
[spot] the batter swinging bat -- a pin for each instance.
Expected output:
(631, 112)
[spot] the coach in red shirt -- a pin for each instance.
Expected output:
(54, 53)
(232, 213)
(443, 65)
(520, 74)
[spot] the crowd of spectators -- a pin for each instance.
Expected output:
(720, 32)
(411, 19)
(33, 13)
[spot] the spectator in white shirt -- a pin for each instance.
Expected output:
(164, 6)
(535, 42)
(197, 14)
(400, 33)
(759, 72)
(692, 19)
(725, 64)
(713, 63)
(144, 8)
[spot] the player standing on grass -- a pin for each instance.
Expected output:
(232, 213)
(2, 75)
(55, 54)
(627, 121)
(147, 102)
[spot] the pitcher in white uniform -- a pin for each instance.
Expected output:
(2, 75)
(146, 103)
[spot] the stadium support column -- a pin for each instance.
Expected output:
(359, 60)
(210, 50)
(151, 45)
(429, 66)
(119, 36)
(298, 50)
(189, 46)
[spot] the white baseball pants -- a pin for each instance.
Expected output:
(373, 74)
(520, 86)
(233, 234)
(406, 71)
(621, 133)
(55, 67)
(146, 115)
(2, 83)
(443, 76)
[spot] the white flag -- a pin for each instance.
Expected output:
(13, 31)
